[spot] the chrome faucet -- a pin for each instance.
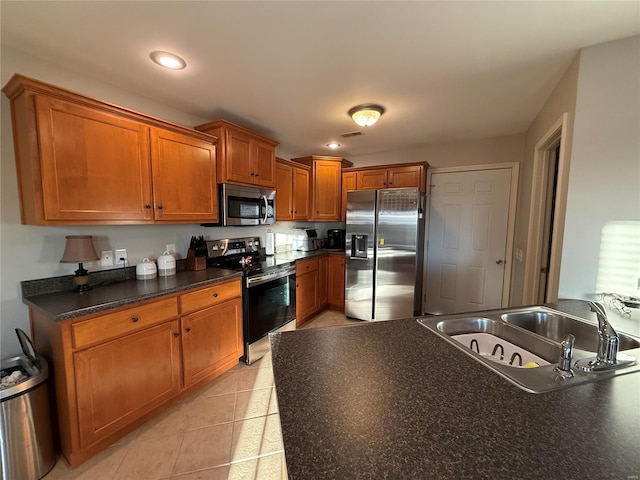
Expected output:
(608, 339)
(566, 352)
(607, 357)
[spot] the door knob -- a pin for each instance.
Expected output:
(499, 262)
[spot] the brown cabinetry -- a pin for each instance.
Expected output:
(116, 370)
(348, 183)
(404, 175)
(326, 189)
(82, 161)
(335, 281)
(244, 157)
(322, 282)
(307, 285)
(292, 187)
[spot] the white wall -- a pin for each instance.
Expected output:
(604, 182)
(29, 252)
(477, 152)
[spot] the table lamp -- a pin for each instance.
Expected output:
(79, 248)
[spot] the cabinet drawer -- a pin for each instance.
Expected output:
(123, 322)
(306, 266)
(213, 295)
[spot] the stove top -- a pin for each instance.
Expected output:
(244, 254)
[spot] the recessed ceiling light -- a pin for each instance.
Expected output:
(168, 60)
(333, 145)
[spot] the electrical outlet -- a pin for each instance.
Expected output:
(106, 258)
(121, 256)
(171, 247)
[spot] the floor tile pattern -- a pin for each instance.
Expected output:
(228, 429)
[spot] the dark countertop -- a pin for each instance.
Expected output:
(392, 400)
(59, 306)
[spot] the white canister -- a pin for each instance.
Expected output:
(270, 243)
(166, 265)
(146, 269)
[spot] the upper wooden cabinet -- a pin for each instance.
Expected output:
(292, 189)
(244, 157)
(404, 175)
(348, 183)
(326, 189)
(82, 161)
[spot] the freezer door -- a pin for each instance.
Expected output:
(399, 244)
(359, 251)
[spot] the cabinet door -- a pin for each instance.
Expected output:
(95, 165)
(121, 380)
(348, 183)
(301, 197)
(336, 281)
(184, 177)
(211, 340)
(322, 282)
(264, 164)
(410, 176)
(326, 190)
(372, 179)
(284, 192)
(237, 164)
(306, 296)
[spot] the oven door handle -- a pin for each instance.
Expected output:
(266, 209)
(267, 277)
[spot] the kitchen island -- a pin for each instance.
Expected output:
(392, 400)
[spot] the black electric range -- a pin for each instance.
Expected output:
(269, 290)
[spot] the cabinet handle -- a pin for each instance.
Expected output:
(252, 174)
(257, 174)
(147, 206)
(215, 295)
(176, 334)
(160, 207)
(188, 329)
(134, 319)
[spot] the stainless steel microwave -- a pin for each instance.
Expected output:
(241, 205)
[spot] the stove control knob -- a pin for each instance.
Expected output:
(214, 248)
(251, 244)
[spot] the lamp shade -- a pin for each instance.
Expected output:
(78, 249)
(367, 114)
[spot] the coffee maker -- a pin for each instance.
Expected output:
(335, 239)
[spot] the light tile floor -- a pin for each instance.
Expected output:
(227, 429)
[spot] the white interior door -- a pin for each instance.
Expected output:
(466, 254)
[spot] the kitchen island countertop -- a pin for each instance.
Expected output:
(392, 400)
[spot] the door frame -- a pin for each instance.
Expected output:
(556, 135)
(514, 167)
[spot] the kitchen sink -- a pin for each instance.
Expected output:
(507, 340)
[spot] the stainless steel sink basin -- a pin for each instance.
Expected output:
(556, 326)
(538, 330)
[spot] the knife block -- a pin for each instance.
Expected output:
(195, 263)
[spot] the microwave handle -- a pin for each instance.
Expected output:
(266, 208)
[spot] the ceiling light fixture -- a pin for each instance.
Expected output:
(366, 114)
(168, 60)
(333, 145)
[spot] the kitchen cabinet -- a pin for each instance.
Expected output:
(326, 189)
(84, 162)
(348, 183)
(335, 281)
(116, 370)
(292, 190)
(404, 175)
(244, 157)
(307, 286)
(322, 282)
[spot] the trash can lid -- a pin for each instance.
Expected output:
(27, 348)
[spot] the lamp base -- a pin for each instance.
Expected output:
(81, 279)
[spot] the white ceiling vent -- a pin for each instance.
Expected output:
(351, 134)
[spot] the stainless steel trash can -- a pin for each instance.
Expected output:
(25, 423)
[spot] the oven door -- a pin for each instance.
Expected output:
(269, 305)
(246, 205)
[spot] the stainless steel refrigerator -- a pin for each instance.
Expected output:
(384, 253)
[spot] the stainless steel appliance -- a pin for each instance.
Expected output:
(335, 239)
(384, 253)
(241, 205)
(268, 290)
(304, 239)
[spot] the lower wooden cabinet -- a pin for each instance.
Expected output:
(114, 371)
(322, 282)
(335, 281)
(307, 299)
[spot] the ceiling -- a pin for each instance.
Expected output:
(445, 71)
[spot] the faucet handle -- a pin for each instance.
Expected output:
(566, 352)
